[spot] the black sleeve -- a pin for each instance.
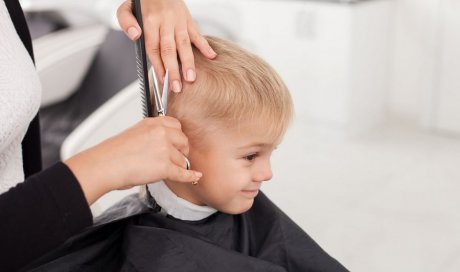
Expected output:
(38, 215)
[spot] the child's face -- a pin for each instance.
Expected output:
(234, 164)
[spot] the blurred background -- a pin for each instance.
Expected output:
(371, 165)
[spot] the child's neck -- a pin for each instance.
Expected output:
(176, 206)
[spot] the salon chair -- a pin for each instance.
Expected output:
(63, 57)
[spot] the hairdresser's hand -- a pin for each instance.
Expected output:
(170, 31)
(150, 151)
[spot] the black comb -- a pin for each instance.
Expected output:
(142, 64)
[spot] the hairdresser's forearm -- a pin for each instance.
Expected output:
(39, 214)
(93, 172)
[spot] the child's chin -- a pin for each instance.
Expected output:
(238, 209)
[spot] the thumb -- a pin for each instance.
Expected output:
(127, 21)
(180, 174)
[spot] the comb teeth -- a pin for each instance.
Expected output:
(140, 75)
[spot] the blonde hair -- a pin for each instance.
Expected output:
(234, 88)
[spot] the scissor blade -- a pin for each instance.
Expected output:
(164, 95)
(156, 93)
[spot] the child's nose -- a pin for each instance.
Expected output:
(264, 173)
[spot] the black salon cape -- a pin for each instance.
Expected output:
(261, 239)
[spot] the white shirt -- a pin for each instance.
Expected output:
(20, 95)
(178, 207)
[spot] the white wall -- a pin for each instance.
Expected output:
(446, 106)
(332, 56)
(413, 56)
(425, 63)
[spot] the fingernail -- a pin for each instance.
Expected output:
(190, 75)
(212, 52)
(198, 175)
(176, 86)
(132, 32)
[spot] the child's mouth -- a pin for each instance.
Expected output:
(250, 193)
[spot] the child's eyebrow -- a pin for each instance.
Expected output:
(260, 145)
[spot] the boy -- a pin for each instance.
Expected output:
(234, 115)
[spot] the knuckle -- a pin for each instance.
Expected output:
(151, 123)
(187, 58)
(146, 124)
(168, 49)
(155, 50)
(170, 15)
(186, 153)
(152, 45)
(187, 62)
(171, 121)
(151, 20)
(183, 40)
(176, 122)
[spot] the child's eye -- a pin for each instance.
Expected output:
(250, 157)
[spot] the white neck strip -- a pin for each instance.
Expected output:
(175, 206)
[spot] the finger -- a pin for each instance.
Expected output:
(184, 48)
(178, 140)
(179, 174)
(170, 122)
(125, 187)
(127, 21)
(169, 56)
(199, 41)
(152, 45)
(166, 121)
(178, 158)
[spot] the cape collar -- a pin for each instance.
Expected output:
(175, 206)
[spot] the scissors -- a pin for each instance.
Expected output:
(147, 78)
(161, 100)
